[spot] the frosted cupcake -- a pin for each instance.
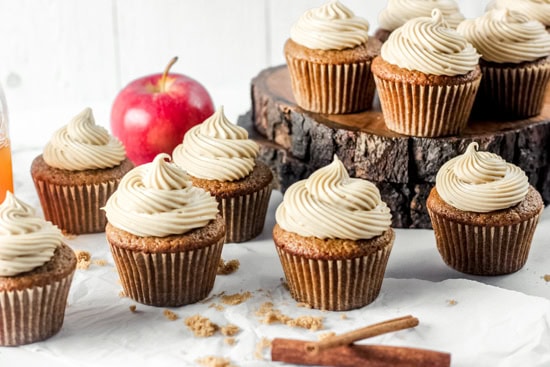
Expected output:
(329, 54)
(484, 213)
(534, 9)
(427, 77)
(398, 12)
(334, 239)
(221, 159)
(79, 169)
(515, 62)
(166, 235)
(36, 271)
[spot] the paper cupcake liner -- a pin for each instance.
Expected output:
(483, 250)
(245, 215)
(331, 88)
(513, 92)
(168, 279)
(335, 285)
(33, 314)
(426, 110)
(75, 209)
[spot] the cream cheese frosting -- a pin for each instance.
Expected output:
(427, 45)
(157, 199)
(83, 145)
(330, 204)
(534, 9)
(331, 26)
(397, 12)
(217, 149)
(481, 182)
(507, 36)
(26, 240)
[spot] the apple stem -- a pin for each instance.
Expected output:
(162, 84)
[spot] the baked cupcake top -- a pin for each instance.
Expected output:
(506, 36)
(427, 45)
(481, 182)
(534, 9)
(83, 145)
(157, 199)
(26, 240)
(331, 204)
(397, 12)
(217, 150)
(331, 26)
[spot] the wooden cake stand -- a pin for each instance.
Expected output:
(294, 143)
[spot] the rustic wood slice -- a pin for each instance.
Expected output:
(296, 142)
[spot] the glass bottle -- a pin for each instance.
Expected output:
(6, 171)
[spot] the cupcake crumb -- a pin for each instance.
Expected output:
(452, 302)
(100, 262)
(230, 330)
(133, 308)
(235, 299)
(307, 322)
(271, 315)
(226, 268)
(212, 361)
(83, 259)
(170, 315)
(326, 335)
(263, 344)
(217, 307)
(201, 326)
(229, 341)
(546, 277)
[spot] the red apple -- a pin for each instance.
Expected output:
(152, 114)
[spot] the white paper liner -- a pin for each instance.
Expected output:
(33, 314)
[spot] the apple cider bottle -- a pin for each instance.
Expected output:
(6, 172)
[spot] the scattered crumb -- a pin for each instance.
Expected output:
(326, 335)
(307, 322)
(209, 299)
(226, 268)
(122, 294)
(546, 277)
(212, 361)
(201, 326)
(100, 262)
(133, 308)
(83, 259)
(230, 330)
(235, 299)
(303, 304)
(272, 315)
(67, 235)
(170, 315)
(263, 344)
(452, 302)
(217, 307)
(343, 316)
(229, 340)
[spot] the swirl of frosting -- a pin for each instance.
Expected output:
(330, 204)
(331, 26)
(157, 199)
(534, 9)
(83, 145)
(397, 12)
(481, 182)
(26, 241)
(427, 45)
(506, 36)
(217, 150)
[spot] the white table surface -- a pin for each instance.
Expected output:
(481, 321)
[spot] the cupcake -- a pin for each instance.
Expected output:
(36, 271)
(221, 159)
(79, 169)
(515, 62)
(329, 55)
(398, 12)
(165, 235)
(334, 239)
(427, 77)
(483, 213)
(534, 9)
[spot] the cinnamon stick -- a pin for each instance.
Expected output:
(292, 351)
(380, 328)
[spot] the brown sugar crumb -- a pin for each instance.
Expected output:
(452, 302)
(546, 277)
(212, 361)
(271, 315)
(226, 268)
(327, 335)
(133, 308)
(100, 262)
(170, 315)
(263, 344)
(201, 326)
(216, 307)
(235, 299)
(230, 330)
(307, 322)
(229, 341)
(83, 259)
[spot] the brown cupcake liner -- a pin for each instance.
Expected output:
(483, 250)
(426, 110)
(245, 215)
(168, 279)
(33, 314)
(75, 209)
(513, 92)
(335, 285)
(331, 88)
